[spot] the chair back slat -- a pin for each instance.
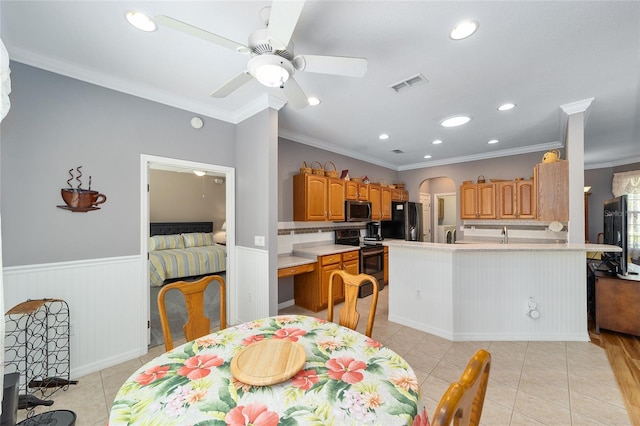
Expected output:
(349, 315)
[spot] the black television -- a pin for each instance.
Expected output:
(617, 231)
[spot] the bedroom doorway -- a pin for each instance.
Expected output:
(227, 175)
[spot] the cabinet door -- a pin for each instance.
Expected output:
(507, 205)
(486, 201)
(386, 203)
(468, 201)
(363, 192)
(351, 190)
(325, 272)
(375, 196)
(335, 199)
(309, 198)
(526, 199)
(552, 182)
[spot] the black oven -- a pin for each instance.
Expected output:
(371, 258)
(372, 263)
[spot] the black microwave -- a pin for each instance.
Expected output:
(357, 211)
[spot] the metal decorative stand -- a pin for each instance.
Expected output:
(37, 346)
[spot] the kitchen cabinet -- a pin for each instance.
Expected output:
(552, 189)
(617, 304)
(516, 200)
(311, 291)
(318, 198)
(399, 195)
(478, 201)
(356, 191)
(380, 197)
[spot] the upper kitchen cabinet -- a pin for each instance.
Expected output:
(552, 181)
(478, 201)
(318, 198)
(380, 197)
(516, 200)
(399, 195)
(356, 191)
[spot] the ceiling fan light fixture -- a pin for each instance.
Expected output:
(141, 21)
(463, 30)
(270, 70)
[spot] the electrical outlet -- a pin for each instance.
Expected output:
(418, 295)
(259, 240)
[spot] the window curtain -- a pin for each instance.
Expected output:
(629, 183)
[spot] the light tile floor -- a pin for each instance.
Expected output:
(531, 383)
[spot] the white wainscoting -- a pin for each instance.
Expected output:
(107, 305)
(483, 295)
(251, 291)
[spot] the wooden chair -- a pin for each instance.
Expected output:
(462, 403)
(349, 316)
(197, 324)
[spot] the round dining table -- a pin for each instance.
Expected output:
(346, 379)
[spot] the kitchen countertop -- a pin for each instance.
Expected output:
(323, 250)
(288, 261)
(503, 247)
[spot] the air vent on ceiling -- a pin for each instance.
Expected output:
(408, 83)
(397, 151)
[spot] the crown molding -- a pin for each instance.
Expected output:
(577, 107)
(484, 156)
(317, 143)
(615, 163)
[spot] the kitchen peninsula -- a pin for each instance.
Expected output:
(465, 292)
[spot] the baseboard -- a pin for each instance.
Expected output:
(286, 304)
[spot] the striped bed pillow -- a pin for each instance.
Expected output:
(198, 239)
(166, 242)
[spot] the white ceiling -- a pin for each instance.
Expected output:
(539, 55)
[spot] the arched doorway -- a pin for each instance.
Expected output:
(439, 199)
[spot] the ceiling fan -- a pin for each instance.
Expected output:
(272, 61)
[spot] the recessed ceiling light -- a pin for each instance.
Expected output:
(458, 120)
(463, 30)
(313, 101)
(383, 137)
(427, 156)
(437, 142)
(141, 21)
(506, 107)
(492, 141)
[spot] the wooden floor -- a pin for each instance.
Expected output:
(623, 351)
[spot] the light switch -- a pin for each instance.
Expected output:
(259, 240)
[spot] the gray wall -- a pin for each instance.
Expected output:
(185, 197)
(600, 181)
(58, 123)
(290, 158)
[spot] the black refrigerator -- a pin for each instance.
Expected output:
(405, 223)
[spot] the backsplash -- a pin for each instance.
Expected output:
(290, 233)
(516, 232)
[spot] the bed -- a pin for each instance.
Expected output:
(182, 250)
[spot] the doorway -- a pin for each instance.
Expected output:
(228, 173)
(445, 217)
(442, 211)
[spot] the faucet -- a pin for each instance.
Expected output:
(505, 232)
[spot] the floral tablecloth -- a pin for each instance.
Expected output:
(348, 379)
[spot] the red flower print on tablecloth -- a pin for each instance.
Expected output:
(152, 374)
(291, 333)
(406, 382)
(373, 343)
(305, 379)
(345, 369)
(254, 414)
(199, 366)
(252, 339)
(422, 419)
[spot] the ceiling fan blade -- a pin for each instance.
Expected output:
(282, 21)
(337, 65)
(200, 33)
(231, 85)
(294, 93)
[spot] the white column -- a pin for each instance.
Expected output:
(574, 141)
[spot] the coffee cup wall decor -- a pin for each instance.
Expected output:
(79, 199)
